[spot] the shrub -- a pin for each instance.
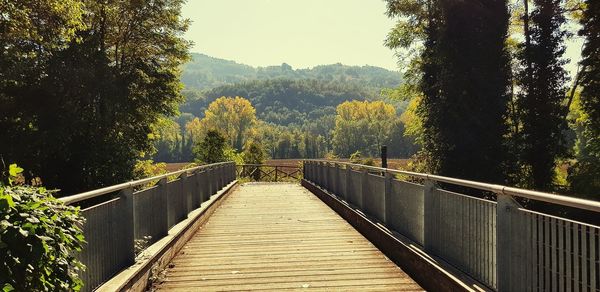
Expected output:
(39, 237)
(356, 157)
(584, 177)
(147, 168)
(212, 148)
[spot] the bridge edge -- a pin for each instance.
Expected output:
(431, 276)
(138, 277)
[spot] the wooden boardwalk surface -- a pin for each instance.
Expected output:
(280, 237)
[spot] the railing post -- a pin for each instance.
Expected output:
(210, 174)
(508, 236)
(163, 203)
(335, 184)
(364, 188)
(218, 177)
(197, 187)
(126, 195)
(275, 173)
(205, 185)
(187, 199)
(347, 182)
(304, 169)
(222, 177)
(430, 215)
(318, 176)
(387, 197)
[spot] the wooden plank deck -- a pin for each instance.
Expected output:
(279, 236)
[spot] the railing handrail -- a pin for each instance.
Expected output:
(106, 190)
(268, 165)
(496, 188)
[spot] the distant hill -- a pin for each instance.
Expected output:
(205, 72)
(281, 101)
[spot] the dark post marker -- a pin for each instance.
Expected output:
(384, 156)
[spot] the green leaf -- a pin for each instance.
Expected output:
(14, 170)
(8, 287)
(23, 232)
(6, 202)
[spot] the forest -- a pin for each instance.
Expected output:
(295, 109)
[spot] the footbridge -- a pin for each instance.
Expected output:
(332, 226)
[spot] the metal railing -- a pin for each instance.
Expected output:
(127, 219)
(499, 243)
(270, 173)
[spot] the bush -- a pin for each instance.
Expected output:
(39, 236)
(147, 168)
(254, 153)
(356, 157)
(584, 177)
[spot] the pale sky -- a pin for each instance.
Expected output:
(302, 33)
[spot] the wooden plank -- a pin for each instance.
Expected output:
(279, 236)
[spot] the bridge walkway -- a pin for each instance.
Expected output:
(276, 236)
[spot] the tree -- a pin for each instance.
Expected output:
(167, 137)
(86, 119)
(542, 94)
(465, 116)
(212, 148)
(363, 126)
(233, 116)
(254, 153)
(585, 174)
(30, 32)
(459, 70)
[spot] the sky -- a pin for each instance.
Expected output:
(301, 33)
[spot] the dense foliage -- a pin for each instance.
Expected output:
(493, 104)
(363, 126)
(540, 102)
(281, 101)
(462, 80)
(39, 239)
(234, 117)
(212, 148)
(83, 85)
(585, 175)
(294, 118)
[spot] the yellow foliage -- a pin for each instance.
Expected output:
(362, 125)
(234, 117)
(411, 119)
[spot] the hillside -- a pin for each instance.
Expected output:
(205, 72)
(281, 101)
